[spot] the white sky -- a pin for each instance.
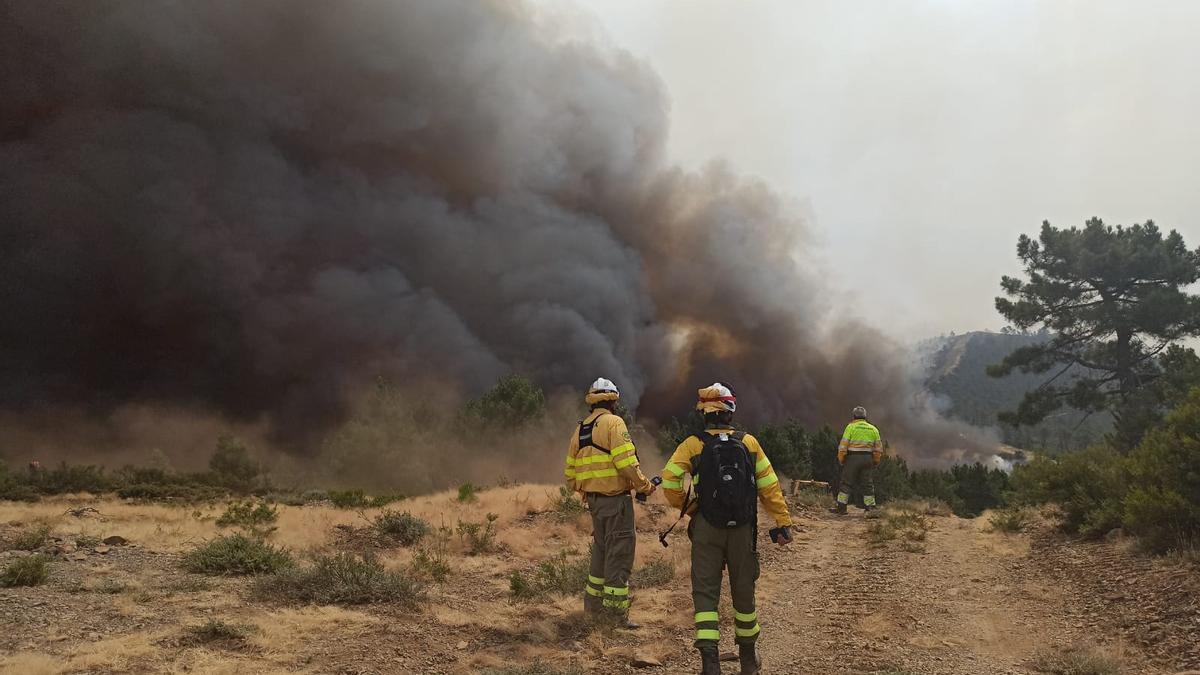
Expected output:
(927, 135)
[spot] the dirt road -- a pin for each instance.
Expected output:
(967, 602)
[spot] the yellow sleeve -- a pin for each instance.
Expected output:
(679, 466)
(624, 454)
(770, 492)
(843, 445)
(572, 451)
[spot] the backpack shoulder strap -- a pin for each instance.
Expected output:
(585, 434)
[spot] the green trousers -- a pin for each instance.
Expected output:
(713, 550)
(858, 473)
(613, 542)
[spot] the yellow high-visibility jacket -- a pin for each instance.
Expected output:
(686, 460)
(608, 462)
(861, 436)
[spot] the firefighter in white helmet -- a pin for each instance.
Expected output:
(602, 463)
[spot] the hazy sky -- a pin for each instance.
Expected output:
(925, 136)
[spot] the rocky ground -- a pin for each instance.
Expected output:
(955, 599)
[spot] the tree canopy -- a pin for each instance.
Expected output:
(1114, 302)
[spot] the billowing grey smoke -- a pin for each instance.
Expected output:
(255, 207)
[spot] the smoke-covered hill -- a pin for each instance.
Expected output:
(957, 375)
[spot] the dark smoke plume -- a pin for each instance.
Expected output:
(253, 208)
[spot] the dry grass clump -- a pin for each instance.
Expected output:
(403, 528)
(657, 572)
(811, 499)
(1076, 660)
(432, 560)
(236, 555)
(31, 539)
(538, 667)
(341, 579)
(28, 571)
(907, 525)
(357, 499)
(215, 632)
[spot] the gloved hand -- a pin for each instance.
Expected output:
(781, 535)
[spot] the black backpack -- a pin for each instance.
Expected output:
(727, 490)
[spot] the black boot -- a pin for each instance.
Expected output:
(749, 659)
(840, 509)
(710, 661)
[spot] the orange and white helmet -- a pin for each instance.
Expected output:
(716, 398)
(602, 390)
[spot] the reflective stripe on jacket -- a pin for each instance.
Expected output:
(860, 436)
(591, 469)
(686, 458)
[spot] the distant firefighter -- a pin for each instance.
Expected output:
(859, 452)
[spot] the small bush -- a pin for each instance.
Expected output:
(32, 539)
(78, 478)
(1010, 520)
(1075, 661)
(479, 538)
(216, 631)
(812, 498)
(564, 574)
(348, 499)
(232, 466)
(248, 514)
(402, 528)
(432, 560)
(313, 496)
(467, 493)
(522, 588)
(28, 571)
(341, 578)
(566, 506)
(657, 572)
(380, 501)
(87, 541)
(908, 525)
(237, 554)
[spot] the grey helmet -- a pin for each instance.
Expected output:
(859, 413)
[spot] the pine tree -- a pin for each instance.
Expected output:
(1113, 301)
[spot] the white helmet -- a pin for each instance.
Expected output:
(602, 390)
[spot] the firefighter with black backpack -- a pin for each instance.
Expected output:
(602, 464)
(730, 474)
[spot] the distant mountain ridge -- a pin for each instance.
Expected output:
(956, 372)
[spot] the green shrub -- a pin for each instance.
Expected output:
(172, 492)
(1163, 508)
(1089, 486)
(32, 539)
(77, 478)
(402, 528)
(1010, 520)
(312, 496)
(479, 538)
(248, 514)
(522, 588)
(513, 402)
(432, 562)
(232, 466)
(566, 506)
(342, 578)
(658, 572)
(467, 493)
(28, 571)
(564, 574)
(237, 554)
(788, 446)
(348, 499)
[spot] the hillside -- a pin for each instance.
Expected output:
(957, 374)
(916, 593)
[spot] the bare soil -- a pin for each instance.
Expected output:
(965, 601)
